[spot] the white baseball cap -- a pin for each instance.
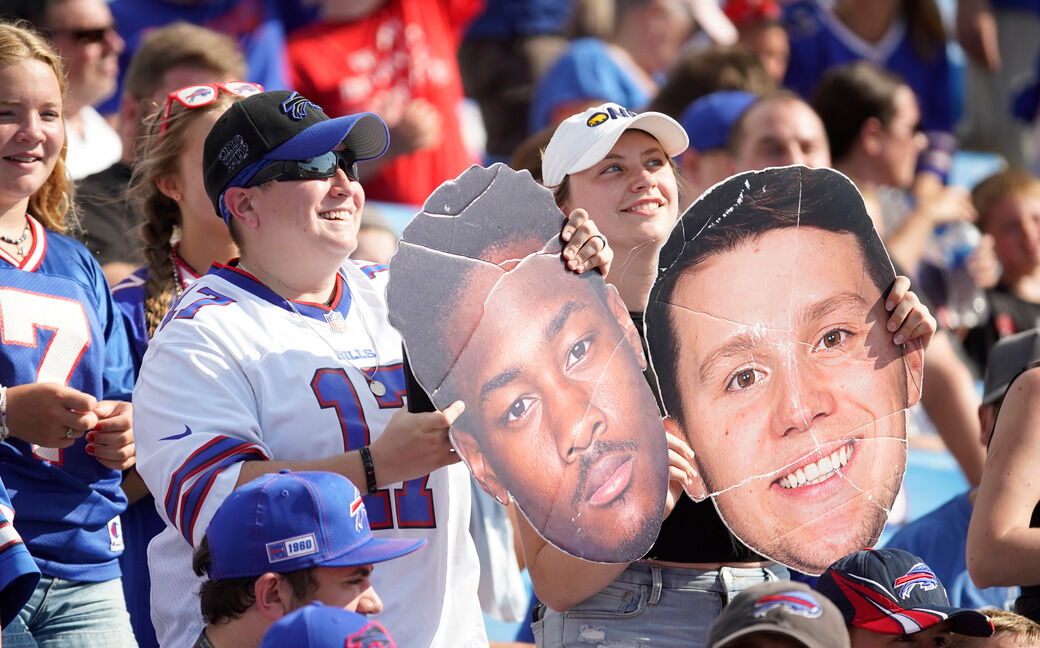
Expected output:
(582, 140)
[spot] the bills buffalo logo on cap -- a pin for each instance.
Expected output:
(233, 152)
(294, 547)
(295, 106)
(919, 575)
(357, 511)
(372, 635)
(613, 112)
(795, 602)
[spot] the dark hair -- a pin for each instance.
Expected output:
(229, 598)
(849, 95)
(706, 71)
(740, 210)
(464, 240)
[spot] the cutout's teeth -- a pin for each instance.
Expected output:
(814, 473)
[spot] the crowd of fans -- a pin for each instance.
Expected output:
(172, 260)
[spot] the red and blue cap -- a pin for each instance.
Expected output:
(288, 521)
(891, 591)
(322, 626)
(280, 125)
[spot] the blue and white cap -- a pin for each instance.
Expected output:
(288, 521)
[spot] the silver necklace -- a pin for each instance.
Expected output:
(338, 325)
(19, 242)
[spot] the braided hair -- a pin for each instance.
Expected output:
(159, 155)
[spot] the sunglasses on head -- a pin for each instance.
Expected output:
(197, 96)
(323, 166)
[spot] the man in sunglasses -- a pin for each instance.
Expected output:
(286, 359)
(83, 33)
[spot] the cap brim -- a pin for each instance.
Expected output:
(374, 551)
(365, 134)
(962, 621)
(810, 642)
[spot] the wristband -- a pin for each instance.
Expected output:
(4, 432)
(370, 470)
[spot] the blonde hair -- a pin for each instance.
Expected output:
(51, 203)
(1000, 186)
(159, 155)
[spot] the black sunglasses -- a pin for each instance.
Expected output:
(323, 166)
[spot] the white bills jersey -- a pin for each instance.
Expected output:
(236, 373)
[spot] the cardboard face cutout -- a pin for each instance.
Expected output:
(766, 327)
(558, 414)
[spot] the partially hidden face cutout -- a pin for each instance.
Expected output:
(767, 330)
(558, 414)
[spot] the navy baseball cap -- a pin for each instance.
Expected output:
(323, 626)
(1009, 357)
(709, 119)
(891, 591)
(280, 125)
(288, 521)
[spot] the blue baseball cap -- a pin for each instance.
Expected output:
(708, 120)
(280, 125)
(287, 521)
(891, 591)
(323, 626)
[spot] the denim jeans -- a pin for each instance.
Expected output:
(650, 605)
(72, 614)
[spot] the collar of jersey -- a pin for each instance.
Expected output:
(246, 281)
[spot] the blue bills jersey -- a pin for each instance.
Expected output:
(236, 374)
(59, 325)
(18, 572)
(819, 40)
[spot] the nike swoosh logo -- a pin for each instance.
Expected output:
(186, 432)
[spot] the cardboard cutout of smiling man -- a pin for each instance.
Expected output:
(558, 414)
(766, 327)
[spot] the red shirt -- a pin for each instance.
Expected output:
(404, 50)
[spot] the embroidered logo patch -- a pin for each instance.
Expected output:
(115, 534)
(233, 152)
(919, 575)
(357, 511)
(614, 112)
(280, 550)
(295, 106)
(794, 602)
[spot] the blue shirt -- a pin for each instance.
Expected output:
(60, 325)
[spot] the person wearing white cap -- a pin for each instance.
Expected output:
(614, 166)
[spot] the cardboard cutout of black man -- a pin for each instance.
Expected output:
(766, 328)
(558, 414)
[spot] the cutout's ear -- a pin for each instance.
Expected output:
(240, 205)
(697, 489)
(273, 596)
(913, 354)
(628, 328)
(468, 448)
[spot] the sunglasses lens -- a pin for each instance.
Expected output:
(242, 88)
(90, 36)
(194, 96)
(323, 166)
(349, 166)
